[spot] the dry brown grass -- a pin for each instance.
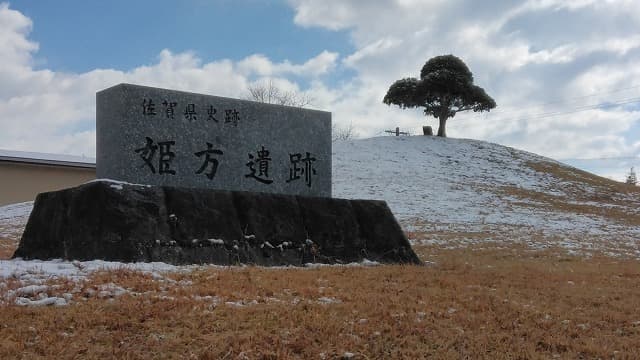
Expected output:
(475, 303)
(604, 190)
(7, 247)
(10, 232)
(543, 200)
(601, 197)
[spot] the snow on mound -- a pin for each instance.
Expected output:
(15, 212)
(13, 218)
(454, 186)
(429, 177)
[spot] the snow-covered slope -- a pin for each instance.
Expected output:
(13, 218)
(458, 192)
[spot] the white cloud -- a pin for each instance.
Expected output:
(368, 21)
(15, 48)
(522, 52)
(55, 112)
(602, 77)
(48, 111)
(375, 49)
(260, 65)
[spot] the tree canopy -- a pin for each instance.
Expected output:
(445, 87)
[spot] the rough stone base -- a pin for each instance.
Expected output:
(135, 223)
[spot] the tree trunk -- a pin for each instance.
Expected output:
(441, 129)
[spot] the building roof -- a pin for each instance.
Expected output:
(47, 159)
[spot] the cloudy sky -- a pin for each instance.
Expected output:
(565, 74)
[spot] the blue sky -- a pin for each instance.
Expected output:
(80, 36)
(565, 73)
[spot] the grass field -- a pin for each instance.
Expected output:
(502, 302)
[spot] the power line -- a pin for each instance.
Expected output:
(604, 158)
(571, 99)
(585, 108)
(569, 111)
(565, 100)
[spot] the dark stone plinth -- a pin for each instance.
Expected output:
(135, 223)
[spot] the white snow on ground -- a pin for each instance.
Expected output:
(17, 211)
(13, 219)
(33, 277)
(33, 282)
(448, 189)
(117, 184)
(453, 186)
(38, 271)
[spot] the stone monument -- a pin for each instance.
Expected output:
(164, 137)
(187, 178)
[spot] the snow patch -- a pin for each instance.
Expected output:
(328, 300)
(18, 210)
(56, 301)
(117, 183)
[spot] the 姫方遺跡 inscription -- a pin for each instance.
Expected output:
(164, 137)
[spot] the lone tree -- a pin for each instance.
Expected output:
(445, 88)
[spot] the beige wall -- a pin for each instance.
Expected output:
(22, 182)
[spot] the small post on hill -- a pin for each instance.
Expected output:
(631, 177)
(397, 132)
